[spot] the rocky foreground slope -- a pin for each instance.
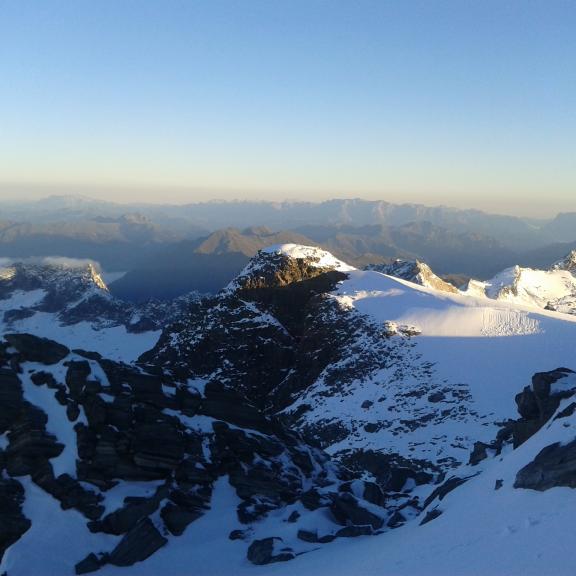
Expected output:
(305, 404)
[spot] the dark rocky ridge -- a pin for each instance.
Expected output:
(270, 335)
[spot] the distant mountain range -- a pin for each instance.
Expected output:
(164, 248)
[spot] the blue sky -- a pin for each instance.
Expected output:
(460, 102)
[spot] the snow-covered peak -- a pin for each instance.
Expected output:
(475, 288)
(283, 264)
(68, 278)
(567, 263)
(539, 288)
(414, 271)
(68, 300)
(314, 255)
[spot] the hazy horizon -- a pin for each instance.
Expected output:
(459, 104)
(127, 195)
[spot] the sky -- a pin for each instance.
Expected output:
(459, 102)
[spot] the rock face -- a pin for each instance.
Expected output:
(567, 263)
(280, 266)
(34, 349)
(13, 523)
(537, 403)
(416, 272)
(255, 325)
(263, 552)
(539, 407)
(137, 545)
(554, 466)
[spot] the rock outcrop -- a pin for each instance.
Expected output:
(414, 271)
(554, 466)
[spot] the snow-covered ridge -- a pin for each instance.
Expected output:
(286, 263)
(57, 274)
(316, 256)
(567, 263)
(414, 271)
(68, 301)
(553, 289)
(436, 313)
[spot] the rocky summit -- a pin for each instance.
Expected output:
(306, 404)
(414, 271)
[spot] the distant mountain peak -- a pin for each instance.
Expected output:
(414, 271)
(567, 263)
(553, 289)
(69, 297)
(63, 275)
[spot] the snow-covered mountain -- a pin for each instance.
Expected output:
(68, 300)
(509, 514)
(305, 404)
(553, 289)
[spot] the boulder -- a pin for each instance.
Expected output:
(238, 535)
(262, 481)
(347, 511)
(13, 523)
(262, 552)
(34, 349)
(69, 492)
(527, 404)
(479, 453)
(431, 515)
(90, 564)
(354, 532)
(397, 519)
(447, 486)
(538, 403)
(29, 443)
(554, 466)
(373, 493)
(140, 543)
(124, 519)
(11, 398)
(312, 499)
(177, 519)
(158, 447)
(44, 379)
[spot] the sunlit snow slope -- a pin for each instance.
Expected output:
(447, 385)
